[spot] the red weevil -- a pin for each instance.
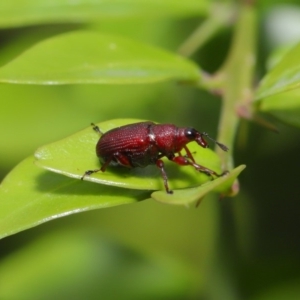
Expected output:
(145, 143)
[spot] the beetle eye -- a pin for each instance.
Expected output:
(190, 133)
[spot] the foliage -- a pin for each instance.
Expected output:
(66, 64)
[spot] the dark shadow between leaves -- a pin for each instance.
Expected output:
(49, 182)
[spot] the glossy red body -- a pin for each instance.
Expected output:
(140, 144)
(145, 143)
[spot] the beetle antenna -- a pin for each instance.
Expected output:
(222, 146)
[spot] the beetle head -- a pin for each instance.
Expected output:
(194, 135)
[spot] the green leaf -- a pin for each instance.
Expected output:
(278, 54)
(27, 12)
(75, 154)
(190, 196)
(284, 106)
(30, 196)
(88, 57)
(283, 77)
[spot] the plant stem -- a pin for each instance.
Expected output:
(237, 73)
(200, 36)
(221, 15)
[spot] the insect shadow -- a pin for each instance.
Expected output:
(60, 185)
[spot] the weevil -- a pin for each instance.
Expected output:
(146, 143)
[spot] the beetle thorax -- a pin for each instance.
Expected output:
(168, 138)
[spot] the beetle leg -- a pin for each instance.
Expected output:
(90, 172)
(96, 128)
(160, 164)
(123, 160)
(183, 161)
(104, 166)
(189, 154)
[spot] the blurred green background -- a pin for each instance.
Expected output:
(245, 247)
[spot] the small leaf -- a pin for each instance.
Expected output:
(190, 196)
(88, 57)
(30, 196)
(28, 12)
(283, 77)
(74, 155)
(284, 106)
(277, 55)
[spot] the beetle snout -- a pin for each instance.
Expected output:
(201, 141)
